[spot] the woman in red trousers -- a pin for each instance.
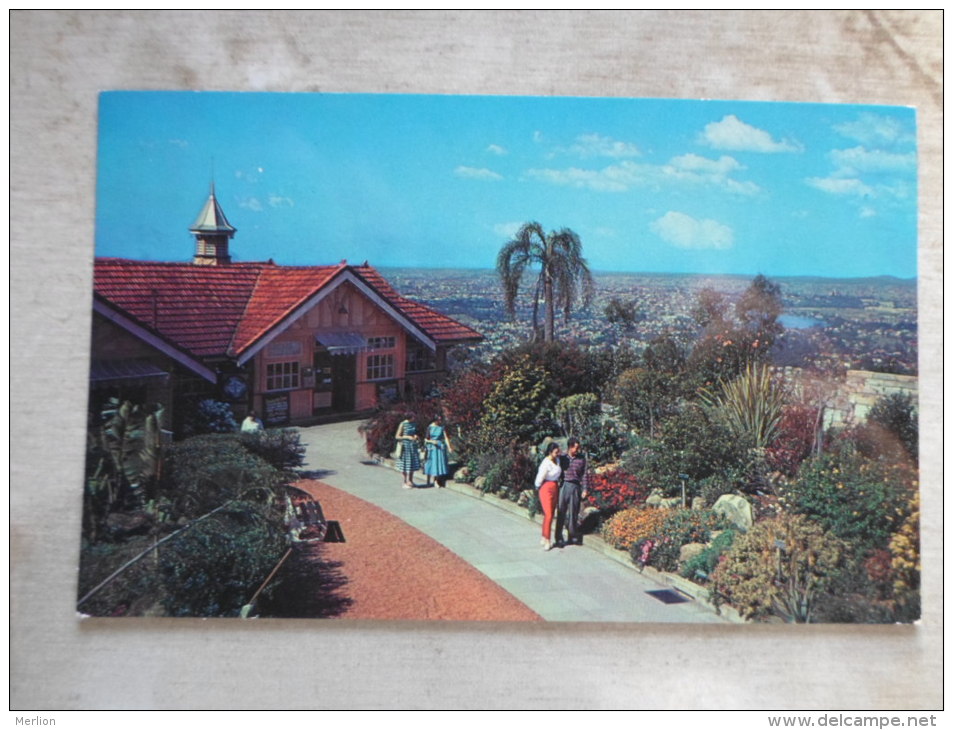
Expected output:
(547, 485)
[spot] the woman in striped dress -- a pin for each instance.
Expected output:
(408, 459)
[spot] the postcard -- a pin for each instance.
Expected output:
(477, 358)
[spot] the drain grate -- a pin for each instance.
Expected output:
(668, 596)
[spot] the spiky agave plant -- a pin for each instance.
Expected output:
(752, 405)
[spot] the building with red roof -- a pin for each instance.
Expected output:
(293, 343)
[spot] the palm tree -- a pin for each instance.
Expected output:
(563, 276)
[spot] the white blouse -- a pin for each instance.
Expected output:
(548, 472)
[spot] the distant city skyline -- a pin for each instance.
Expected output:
(650, 185)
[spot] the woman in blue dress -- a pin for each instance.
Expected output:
(438, 448)
(408, 458)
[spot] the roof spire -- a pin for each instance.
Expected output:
(212, 232)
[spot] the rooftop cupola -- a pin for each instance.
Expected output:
(212, 232)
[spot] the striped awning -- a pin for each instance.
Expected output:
(111, 371)
(342, 343)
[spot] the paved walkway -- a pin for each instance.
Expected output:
(569, 584)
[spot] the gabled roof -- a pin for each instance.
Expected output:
(150, 336)
(232, 310)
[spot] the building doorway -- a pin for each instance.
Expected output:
(344, 382)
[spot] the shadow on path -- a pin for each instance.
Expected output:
(311, 587)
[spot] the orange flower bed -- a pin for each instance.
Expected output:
(627, 527)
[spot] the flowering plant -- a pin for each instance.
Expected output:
(615, 489)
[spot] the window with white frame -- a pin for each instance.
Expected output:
(381, 343)
(380, 367)
(282, 375)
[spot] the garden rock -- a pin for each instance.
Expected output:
(654, 499)
(462, 475)
(523, 499)
(671, 503)
(587, 516)
(479, 482)
(736, 509)
(698, 503)
(689, 551)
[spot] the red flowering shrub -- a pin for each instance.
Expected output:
(795, 440)
(615, 489)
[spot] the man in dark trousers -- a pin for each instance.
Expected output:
(574, 488)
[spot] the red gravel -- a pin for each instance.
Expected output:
(387, 569)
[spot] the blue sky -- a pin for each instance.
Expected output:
(444, 181)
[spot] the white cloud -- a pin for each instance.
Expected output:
(858, 160)
(612, 179)
(507, 230)
(841, 186)
(277, 201)
(595, 145)
(251, 204)
(873, 129)
(724, 165)
(866, 212)
(497, 149)
(180, 143)
(692, 170)
(733, 134)
(683, 231)
(476, 173)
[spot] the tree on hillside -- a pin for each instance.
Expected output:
(733, 337)
(563, 277)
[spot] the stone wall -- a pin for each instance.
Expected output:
(850, 399)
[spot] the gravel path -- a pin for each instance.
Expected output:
(385, 569)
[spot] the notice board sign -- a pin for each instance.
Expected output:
(277, 409)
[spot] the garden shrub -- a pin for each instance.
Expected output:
(209, 416)
(644, 397)
(137, 590)
(204, 472)
(613, 490)
(280, 447)
(782, 567)
(629, 526)
(905, 562)
(725, 481)
(463, 400)
(508, 471)
(858, 593)
(214, 567)
(680, 527)
(702, 565)
(576, 414)
(859, 500)
(798, 432)
(897, 415)
(567, 367)
(517, 408)
(688, 443)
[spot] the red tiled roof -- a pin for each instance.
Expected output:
(439, 326)
(223, 310)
